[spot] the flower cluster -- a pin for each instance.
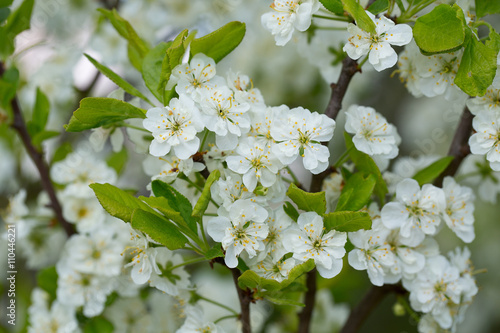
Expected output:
(400, 247)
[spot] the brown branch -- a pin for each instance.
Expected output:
(349, 68)
(19, 125)
(459, 147)
(370, 301)
(306, 314)
(245, 297)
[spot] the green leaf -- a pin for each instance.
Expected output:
(477, 67)
(250, 279)
(47, 280)
(282, 299)
(99, 111)
(291, 211)
(6, 3)
(119, 81)
(4, 14)
(366, 164)
(220, 42)
(39, 137)
(363, 21)
(159, 229)
(441, 30)
(335, 6)
(202, 204)
(173, 57)
(151, 68)
(118, 160)
(40, 113)
(311, 202)
(428, 174)
(98, 325)
(214, 252)
(347, 221)
(487, 7)
(8, 86)
(401, 6)
(137, 47)
(162, 204)
(176, 200)
(357, 192)
(16, 23)
(378, 7)
(117, 202)
(61, 152)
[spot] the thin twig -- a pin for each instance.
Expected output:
(370, 301)
(459, 147)
(349, 68)
(306, 314)
(245, 297)
(19, 125)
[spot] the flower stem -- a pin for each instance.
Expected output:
(408, 309)
(218, 304)
(330, 28)
(134, 127)
(342, 159)
(294, 177)
(332, 18)
(188, 262)
(205, 136)
(225, 317)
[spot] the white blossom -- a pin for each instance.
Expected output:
(195, 322)
(434, 288)
(169, 280)
(174, 126)
(243, 229)
(307, 241)
(417, 212)
(378, 45)
(82, 289)
(300, 132)
(256, 163)
(489, 101)
(98, 252)
(278, 223)
(244, 91)
(371, 252)
(288, 15)
(407, 68)
(222, 114)
(195, 77)
(270, 268)
(459, 209)
(86, 213)
(59, 318)
(143, 262)
(80, 169)
(373, 135)
(438, 74)
(486, 139)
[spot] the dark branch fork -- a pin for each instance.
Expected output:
(19, 125)
(349, 68)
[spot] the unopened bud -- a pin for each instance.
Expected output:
(398, 309)
(3, 118)
(260, 190)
